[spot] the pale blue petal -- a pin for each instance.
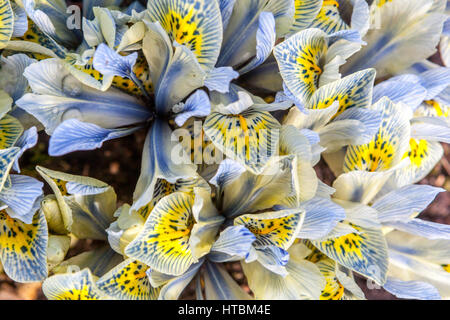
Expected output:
(218, 79)
(20, 20)
(197, 105)
(219, 285)
(110, 63)
(401, 204)
(273, 258)
(411, 289)
(136, 6)
(83, 189)
(226, 9)
(435, 81)
(21, 197)
(349, 35)
(412, 94)
(265, 40)
(58, 96)
(234, 243)
(27, 140)
(172, 289)
(426, 229)
(322, 216)
(74, 135)
(228, 171)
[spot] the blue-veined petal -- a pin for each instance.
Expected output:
(182, 76)
(12, 79)
(7, 158)
(197, 105)
(388, 146)
(430, 129)
(110, 63)
(195, 24)
(72, 286)
(435, 81)
(405, 203)
(408, 32)
(234, 243)
(226, 9)
(26, 141)
(304, 280)
(219, 79)
(411, 94)
(23, 247)
(273, 258)
(278, 228)
(355, 126)
(239, 40)
(174, 287)
(128, 281)
(58, 96)
(411, 289)
(98, 203)
(52, 18)
(321, 216)
(329, 19)
(21, 196)
(427, 229)
(250, 192)
(20, 20)
(158, 161)
(359, 252)
(219, 285)
(227, 172)
(74, 135)
(265, 40)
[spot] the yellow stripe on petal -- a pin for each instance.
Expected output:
(197, 24)
(72, 286)
(277, 228)
(6, 22)
(364, 252)
(23, 247)
(128, 281)
(250, 138)
(329, 19)
(304, 14)
(388, 146)
(446, 267)
(10, 131)
(381, 3)
(432, 108)
(163, 243)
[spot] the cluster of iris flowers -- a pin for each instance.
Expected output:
(241, 99)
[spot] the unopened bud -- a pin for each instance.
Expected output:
(53, 215)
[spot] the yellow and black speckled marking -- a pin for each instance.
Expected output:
(446, 267)
(364, 252)
(432, 108)
(10, 131)
(250, 137)
(163, 244)
(6, 22)
(23, 247)
(195, 24)
(72, 286)
(128, 281)
(279, 231)
(329, 19)
(33, 34)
